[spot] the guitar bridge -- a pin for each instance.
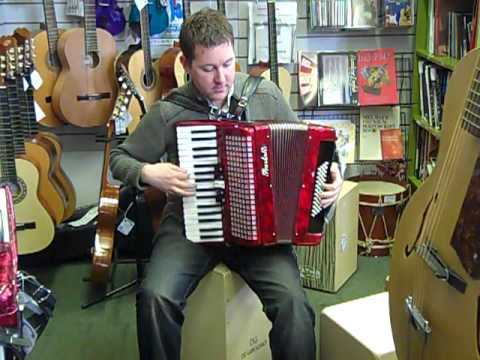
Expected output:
(416, 318)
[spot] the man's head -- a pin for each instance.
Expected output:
(206, 40)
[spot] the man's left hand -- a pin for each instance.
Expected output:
(333, 188)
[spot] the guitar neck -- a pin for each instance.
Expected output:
(186, 9)
(221, 6)
(106, 153)
(14, 88)
(52, 31)
(272, 42)
(147, 56)
(8, 171)
(91, 45)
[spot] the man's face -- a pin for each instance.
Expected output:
(212, 71)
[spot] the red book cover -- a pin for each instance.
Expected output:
(377, 81)
(392, 144)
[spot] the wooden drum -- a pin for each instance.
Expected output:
(381, 201)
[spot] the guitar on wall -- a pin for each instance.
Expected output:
(170, 67)
(29, 125)
(35, 227)
(47, 64)
(279, 75)
(85, 91)
(110, 16)
(143, 71)
(435, 268)
(109, 194)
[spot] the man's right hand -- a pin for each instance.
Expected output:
(169, 178)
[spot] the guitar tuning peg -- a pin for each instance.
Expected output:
(124, 86)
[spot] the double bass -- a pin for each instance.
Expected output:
(435, 269)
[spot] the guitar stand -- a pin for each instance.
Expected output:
(143, 234)
(126, 286)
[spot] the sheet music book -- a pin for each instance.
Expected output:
(363, 14)
(338, 84)
(308, 78)
(377, 77)
(286, 21)
(372, 120)
(399, 13)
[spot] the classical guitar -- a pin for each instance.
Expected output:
(110, 16)
(109, 194)
(435, 267)
(35, 227)
(278, 74)
(85, 91)
(47, 65)
(49, 141)
(143, 72)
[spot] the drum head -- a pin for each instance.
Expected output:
(379, 188)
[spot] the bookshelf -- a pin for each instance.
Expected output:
(421, 126)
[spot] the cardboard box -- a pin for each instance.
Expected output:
(330, 264)
(358, 329)
(225, 321)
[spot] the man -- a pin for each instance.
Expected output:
(177, 265)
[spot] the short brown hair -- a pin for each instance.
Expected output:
(207, 28)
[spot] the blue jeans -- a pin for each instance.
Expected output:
(177, 266)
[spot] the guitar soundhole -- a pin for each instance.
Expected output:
(148, 83)
(18, 189)
(92, 60)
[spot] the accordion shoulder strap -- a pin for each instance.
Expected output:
(249, 88)
(236, 108)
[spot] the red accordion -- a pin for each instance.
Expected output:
(257, 183)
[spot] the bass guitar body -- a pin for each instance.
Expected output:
(49, 74)
(35, 227)
(150, 93)
(435, 269)
(85, 91)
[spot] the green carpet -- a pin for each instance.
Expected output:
(108, 330)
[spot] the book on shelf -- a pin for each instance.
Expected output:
(442, 32)
(308, 78)
(338, 83)
(372, 120)
(398, 13)
(377, 79)
(392, 144)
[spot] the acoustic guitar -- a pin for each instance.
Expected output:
(278, 74)
(435, 268)
(47, 64)
(48, 141)
(110, 16)
(143, 72)
(85, 91)
(109, 194)
(35, 227)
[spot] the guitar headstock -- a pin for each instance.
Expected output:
(24, 40)
(10, 61)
